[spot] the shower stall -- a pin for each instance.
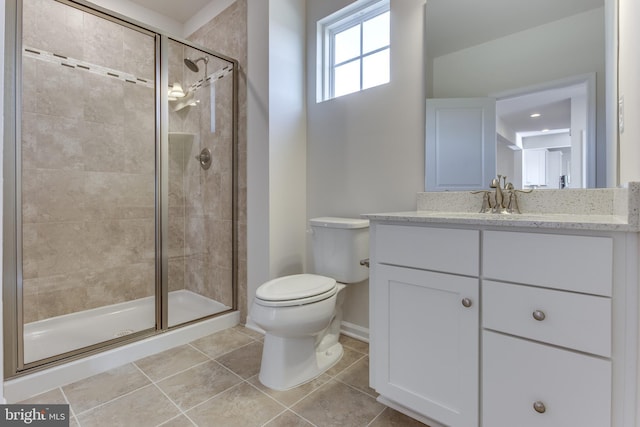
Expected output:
(120, 183)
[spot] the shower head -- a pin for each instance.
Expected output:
(193, 65)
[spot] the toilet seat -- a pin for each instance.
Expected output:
(298, 289)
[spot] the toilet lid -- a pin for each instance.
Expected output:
(296, 289)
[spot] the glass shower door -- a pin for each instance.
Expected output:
(200, 187)
(86, 169)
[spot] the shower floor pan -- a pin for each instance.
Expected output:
(57, 335)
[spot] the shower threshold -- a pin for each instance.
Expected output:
(57, 335)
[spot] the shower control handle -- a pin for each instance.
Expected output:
(204, 158)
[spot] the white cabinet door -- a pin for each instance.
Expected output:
(460, 143)
(426, 343)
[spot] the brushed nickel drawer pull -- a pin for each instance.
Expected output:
(539, 315)
(466, 302)
(539, 407)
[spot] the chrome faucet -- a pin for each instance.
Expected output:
(503, 200)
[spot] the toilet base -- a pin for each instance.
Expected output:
(288, 363)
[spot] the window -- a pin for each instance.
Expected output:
(355, 49)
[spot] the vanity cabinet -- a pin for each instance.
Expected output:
(552, 317)
(426, 305)
(475, 326)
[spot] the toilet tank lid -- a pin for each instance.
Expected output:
(334, 222)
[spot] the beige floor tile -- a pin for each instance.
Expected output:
(354, 344)
(392, 418)
(289, 397)
(241, 406)
(54, 396)
(193, 386)
(90, 392)
(288, 419)
(348, 358)
(337, 405)
(253, 334)
(357, 375)
(244, 361)
(179, 421)
(144, 407)
(169, 362)
(222, 342)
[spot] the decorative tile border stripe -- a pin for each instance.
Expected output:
(65, 61)
(213, 77)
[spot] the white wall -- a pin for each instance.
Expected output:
(561, 49)
(366, 149)
(287, 137)
(629, 88)
(276, 143)
(547, 141)
(258, 215)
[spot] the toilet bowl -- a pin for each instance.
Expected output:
(301, 314)
(300, 342)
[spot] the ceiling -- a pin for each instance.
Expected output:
(452, 25)
(180, 10)
(553, 105)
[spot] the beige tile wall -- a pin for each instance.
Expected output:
(227, 34)
(87, 165)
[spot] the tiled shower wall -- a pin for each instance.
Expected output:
(227, 34)
(87, 164)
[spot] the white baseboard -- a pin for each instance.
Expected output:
(354, 331)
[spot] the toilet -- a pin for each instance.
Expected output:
(301, 313)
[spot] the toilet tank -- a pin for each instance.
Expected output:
(338, 246)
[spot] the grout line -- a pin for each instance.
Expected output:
(347, 367)
(377, 416)
(71, 411)
(273, 418)
(175, 418)
(114, 399)
(154, 383)
(175, 373)
(214, 396)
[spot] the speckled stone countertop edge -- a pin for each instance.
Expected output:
(551, 221)
(603, 209)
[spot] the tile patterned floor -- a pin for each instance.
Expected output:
(213, 382)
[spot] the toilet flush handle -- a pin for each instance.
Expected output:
(365, 262)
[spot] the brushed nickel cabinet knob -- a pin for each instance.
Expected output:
(539, 315)
(466, 302)
(539, 407)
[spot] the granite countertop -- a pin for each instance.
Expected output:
(607, 209)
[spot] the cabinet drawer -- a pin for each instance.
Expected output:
(580, 322)
(575, 263)
(575, 389)
(438, 249)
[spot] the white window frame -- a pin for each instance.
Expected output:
(352, 15)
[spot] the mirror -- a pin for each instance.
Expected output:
(547, 65)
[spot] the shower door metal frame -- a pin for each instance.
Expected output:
(13, 327)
